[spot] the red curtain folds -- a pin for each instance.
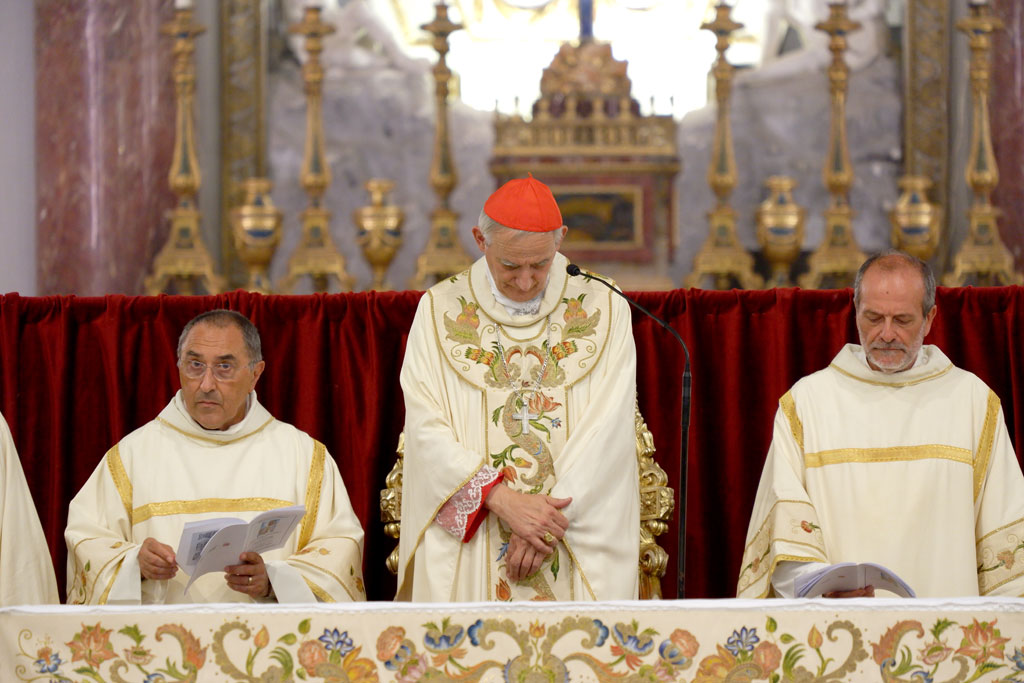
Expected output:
(77, 374)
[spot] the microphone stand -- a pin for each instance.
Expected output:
(684, 423)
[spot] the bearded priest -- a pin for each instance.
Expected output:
(891, 455)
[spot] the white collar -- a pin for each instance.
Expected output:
(531, 307)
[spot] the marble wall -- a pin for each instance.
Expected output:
(17, 163)
(1008, 123)
(105, 127)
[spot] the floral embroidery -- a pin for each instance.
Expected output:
(538, 646)
(91, 645)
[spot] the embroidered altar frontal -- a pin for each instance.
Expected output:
(848, 640)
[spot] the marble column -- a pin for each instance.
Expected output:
(1007, 106)
(104, 139)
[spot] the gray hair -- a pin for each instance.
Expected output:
(490, 227)
(222, 317)
(893, 259)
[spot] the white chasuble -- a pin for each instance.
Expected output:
(547, 399)
(26, 570)
(172, 471)
(912, 470)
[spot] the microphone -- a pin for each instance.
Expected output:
(684, 421)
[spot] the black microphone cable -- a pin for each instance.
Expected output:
(684, 422)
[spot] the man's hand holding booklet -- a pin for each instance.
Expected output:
(212, 544)
(850, 576)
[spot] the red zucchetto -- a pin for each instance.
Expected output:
(524, 204)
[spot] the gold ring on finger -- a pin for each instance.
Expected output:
(549, 538)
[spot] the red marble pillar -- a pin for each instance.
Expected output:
(1007, 106)
(104, 139)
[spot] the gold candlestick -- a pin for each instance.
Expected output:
(444, 255)
(835, 262)
(379, 229)
(722, 259)
(983, 259)
(257, 230)
(316, 256)
(184, 259)
(780, 228)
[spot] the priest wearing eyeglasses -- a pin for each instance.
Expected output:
(194, 462)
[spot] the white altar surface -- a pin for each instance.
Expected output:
(698, 640)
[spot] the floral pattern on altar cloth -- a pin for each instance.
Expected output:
(548, 646)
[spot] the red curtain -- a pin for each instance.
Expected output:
(77, 374)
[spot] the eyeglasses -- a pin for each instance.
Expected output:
(195, 369)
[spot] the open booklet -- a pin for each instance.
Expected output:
(848, 576)
(212, 544)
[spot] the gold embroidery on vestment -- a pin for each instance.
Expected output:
(106, 593)
(601, 347)
(770, 517)
(895, 385)
(314, 484)
(121, 481)
(988, 435)
(217, 442)
(318, 592)
(294, 560)
(203, 505)
(788, 407)
(841, 456)
(996, 531)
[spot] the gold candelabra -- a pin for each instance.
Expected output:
(835, 262)
(983, 259)
(722, 259)
(443, 256)
(184, 260)
(379, 229)
(316, 256)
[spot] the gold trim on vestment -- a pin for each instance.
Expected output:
(841, 456)
(894, 385)
(325, 571)
(203, 505)
(769, 588)
(579, 568)
(86, 585)
(314, 484)
(996, 531)
(99, 573)
(771, 513)
(318, 592)
(988, 435)
(1003, 582)
(788, 407)
(121, 481)
(218, 442)
(106, 593)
